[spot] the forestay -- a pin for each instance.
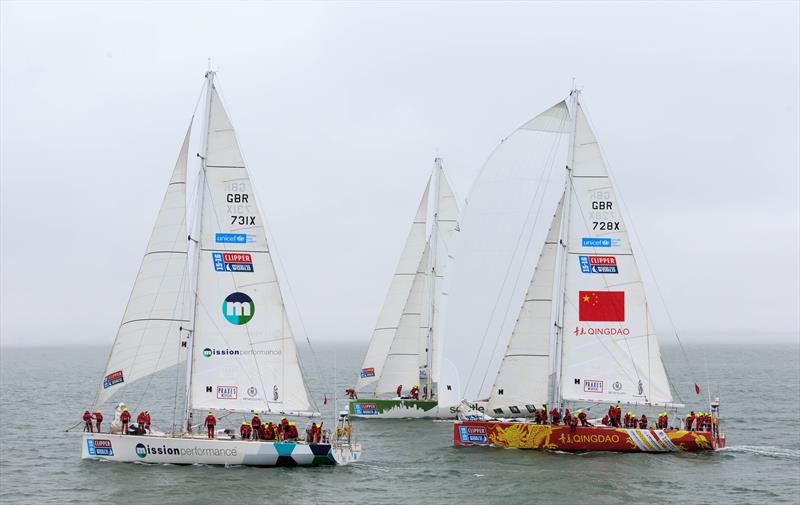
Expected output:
(244, 356)
(610, 351)
(149, 337)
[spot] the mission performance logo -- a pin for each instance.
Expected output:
(232, 262)
(238, 308)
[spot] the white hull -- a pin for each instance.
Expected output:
(191, 450)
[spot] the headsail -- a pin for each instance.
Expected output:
(149, 337)
(244, 356)
(610, 350)
(396, 298)
(522, 381)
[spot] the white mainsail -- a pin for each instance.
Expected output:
(522, 381)
(149, 337)
(399, 290)
(243, 355)
(610, 351)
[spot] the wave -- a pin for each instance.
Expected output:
(765, 450)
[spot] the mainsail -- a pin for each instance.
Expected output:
(243, 355)
(403, 347)
(610, 351)
(149, 336)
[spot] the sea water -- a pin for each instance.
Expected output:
(45, 390)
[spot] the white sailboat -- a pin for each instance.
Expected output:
(400, 369)
(584, 335)
(213, 301)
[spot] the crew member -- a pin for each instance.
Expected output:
(567, 417)
(555, 416)
(605, 420)
(245, 431)
(415, 392)
(98, 417)
(255, 422)
(351, 393)
(643, 422)
(399, 391)
(310, 433)
(425, 391)
(125, 418)
(147, 420)
(87, 421)
(140, 421)
(318, 434)
(573, 424)
(269, 431)
(627, 419)
(292, 430)
(544, 413)
(582, 418)
(690, 420)
(211, 422)
(617, 415)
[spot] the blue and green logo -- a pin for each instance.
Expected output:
(141, 450)
(238, 308)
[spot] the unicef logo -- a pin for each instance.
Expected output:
(141, 450)
(207, 352)
(238, 308)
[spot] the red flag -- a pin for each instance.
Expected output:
(605, 306)
(325, 400)
(696, 388)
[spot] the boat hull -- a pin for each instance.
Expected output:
(373, 408)
(520, 435)
(189, 451)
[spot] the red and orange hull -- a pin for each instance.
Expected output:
(561, 438)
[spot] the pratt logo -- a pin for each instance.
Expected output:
(234, 238)
(367, 372)
(592, 386)
(238, 308)
(600, 242)
(232, 262)
(227, 392)
(252, 391)
(598, 264)
(617, 386)
(141, 450)
(113, 378)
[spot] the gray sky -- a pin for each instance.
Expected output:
(340, 109)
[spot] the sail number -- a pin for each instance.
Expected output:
(605, 225)
(244, 220)
(603, 215)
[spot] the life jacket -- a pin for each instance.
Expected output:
(140, 418)
(643, 422)
(98, 417)
(605, 420)
(582, 416)
(147, 419)
(125, 416)
(255, 422)
(211, 420)
(87, 416)
(269, 432)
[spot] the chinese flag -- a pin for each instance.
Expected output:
(606, 306)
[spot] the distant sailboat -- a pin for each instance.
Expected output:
(401, 361)
(213, 301)
(584, 334)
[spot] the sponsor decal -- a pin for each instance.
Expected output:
(227, 392)
(367, 372)
(232, 262)
(600, 242)
(238, 308)
(605, 306)
(473, 434)
(143, 451)
(113, 378)
(99, 447)
(611, 332)
(209, 352)
(570, 438)
(592, 386)
(252, 391)
(617, 386)
(275, 395)
(234, 238)
(640, 388)
(598, 264)
(365, 409)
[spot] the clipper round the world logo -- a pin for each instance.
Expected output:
(238, 308)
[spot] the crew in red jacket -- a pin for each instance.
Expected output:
(690, 421)
(415, 392)
(147, 420)
(643, 422)
(245, 431)
(605, 420)
(399, 391)
(87, 421)
(567, 417)
(582, 418)
(98, 417)
(211, 422)
(269, 431)
(256, 423)
(555, 416)
(140, 420)
(351, 393)
(125, 418)
(318, 433)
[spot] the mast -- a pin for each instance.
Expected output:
(432, 273)
(554, 397)
(194, 241)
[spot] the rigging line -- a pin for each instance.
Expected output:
(549, 164)
(633, 228)
(270, 238)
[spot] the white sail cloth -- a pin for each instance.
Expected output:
(244, 356)
(610, 351)
(149, 337)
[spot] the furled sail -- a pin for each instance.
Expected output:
(393, 308)
(149, 337)
(243, 355)
(522, 381)
(610, 350)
